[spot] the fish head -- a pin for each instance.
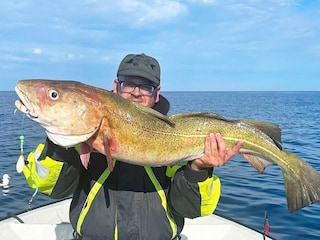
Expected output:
(60, 107)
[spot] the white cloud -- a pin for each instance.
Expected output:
(37, 51)
(203, 1)
(70, 56)
(134, 12)
(161, 10)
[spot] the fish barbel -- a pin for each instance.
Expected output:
(75, 113)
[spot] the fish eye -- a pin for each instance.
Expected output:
(53, 94)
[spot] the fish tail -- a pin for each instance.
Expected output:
(302, 183)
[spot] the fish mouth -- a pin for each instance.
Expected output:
(24, 105)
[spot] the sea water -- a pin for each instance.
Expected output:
(247, 196)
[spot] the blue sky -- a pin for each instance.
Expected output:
(212, 45)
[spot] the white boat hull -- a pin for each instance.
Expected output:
(52, 222)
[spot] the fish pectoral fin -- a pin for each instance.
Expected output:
(257, 162)
(85, 151)
(107, 152)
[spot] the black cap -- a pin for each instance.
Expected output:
(140, 65)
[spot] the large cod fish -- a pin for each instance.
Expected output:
(74, 113)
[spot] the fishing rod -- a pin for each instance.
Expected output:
(21, 163)
(266, 225)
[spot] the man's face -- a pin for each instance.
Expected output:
(137, 89)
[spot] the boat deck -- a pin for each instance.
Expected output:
(52, 222)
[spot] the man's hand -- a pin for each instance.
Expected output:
(215, 153)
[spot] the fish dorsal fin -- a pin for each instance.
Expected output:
(271, 129)
(155, 114)
(199, 114)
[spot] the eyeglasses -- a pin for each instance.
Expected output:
(129, 87)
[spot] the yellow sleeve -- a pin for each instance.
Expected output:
(210, 191)
(41, 174)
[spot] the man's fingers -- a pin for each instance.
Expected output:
(212, 143)
(219, 140)
(234, 150)
(215, 151)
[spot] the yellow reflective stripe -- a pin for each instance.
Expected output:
(116, 233)
(93, 192)
(45, 182)
(171, 170)
(210, 191)
(77, 148)
(163, 198)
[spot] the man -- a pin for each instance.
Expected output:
(131, 202)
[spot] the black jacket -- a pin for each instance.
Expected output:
(131, 202)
